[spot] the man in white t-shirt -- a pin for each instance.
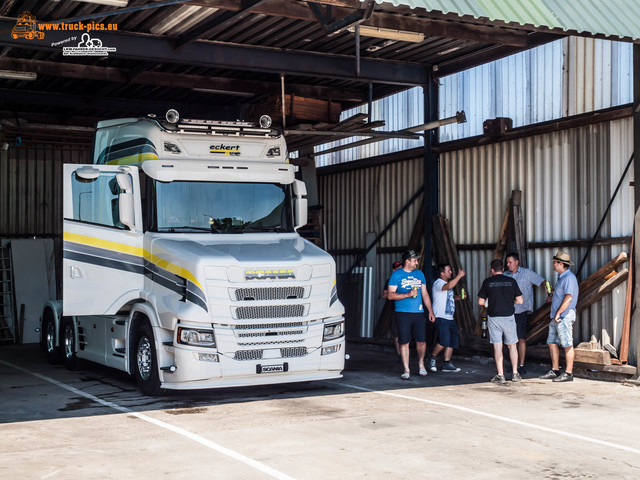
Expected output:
(443, 301)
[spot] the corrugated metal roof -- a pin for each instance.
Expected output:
(619, 18)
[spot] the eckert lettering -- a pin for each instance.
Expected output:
(222, 146)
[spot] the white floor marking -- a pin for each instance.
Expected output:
(491, 415)
(51, 474)
(180, 431)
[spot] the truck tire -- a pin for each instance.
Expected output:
(146, 362)
(68, 343)
(50, 338)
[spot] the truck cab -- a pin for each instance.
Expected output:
(182, 264)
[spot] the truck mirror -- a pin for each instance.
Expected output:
(299, 188)
(300, 206)
(124, 181)
(126, 210)
(299, 203)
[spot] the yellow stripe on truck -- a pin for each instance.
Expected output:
(132, 159)
(131, 250)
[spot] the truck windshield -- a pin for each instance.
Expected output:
(216, 207)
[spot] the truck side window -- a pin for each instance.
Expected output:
(96, 201)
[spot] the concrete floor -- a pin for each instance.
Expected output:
(94, 424)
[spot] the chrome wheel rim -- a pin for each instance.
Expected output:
(50, 337)
(68, 341)
(144, 358)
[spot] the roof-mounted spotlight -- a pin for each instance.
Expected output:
(265, 121)
(172, 115)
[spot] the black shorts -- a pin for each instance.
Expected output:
(521, 324)
(447, 333)
(411, 323)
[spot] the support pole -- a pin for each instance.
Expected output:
(431, 163)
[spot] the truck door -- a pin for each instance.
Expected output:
(103, 256)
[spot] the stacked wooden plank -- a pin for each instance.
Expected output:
(516, 227)
(445, 251)
(628, 307)
(296, 109)
(589, 356)
(592, 289)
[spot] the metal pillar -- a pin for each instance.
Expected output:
(430, 165)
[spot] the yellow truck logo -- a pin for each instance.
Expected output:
(269, 274)
(26, 27)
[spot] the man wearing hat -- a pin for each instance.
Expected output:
(563, 314)
(408, 289)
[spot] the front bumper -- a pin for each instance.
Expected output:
(193, 373)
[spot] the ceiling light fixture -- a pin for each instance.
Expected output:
(112, 3)
(222, 92)
(388, 33)
(17, 75)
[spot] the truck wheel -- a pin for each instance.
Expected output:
(69, 346)
(146, 362)
(50, 337)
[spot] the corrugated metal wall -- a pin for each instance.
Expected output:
(366, 200)
(566, 178)
(31, 188)
(563, 78)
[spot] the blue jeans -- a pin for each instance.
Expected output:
(561, 333)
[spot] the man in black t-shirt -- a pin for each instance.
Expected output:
(500, 293)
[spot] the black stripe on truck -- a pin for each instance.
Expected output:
(135, 264)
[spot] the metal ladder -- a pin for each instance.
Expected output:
(7, 310)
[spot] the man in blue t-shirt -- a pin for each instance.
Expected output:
(407, 288)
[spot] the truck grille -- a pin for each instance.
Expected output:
(286, 352)
(255, 344)
(263, 326)
(248, 355)
(290, 352)
(269, 311)
(275, 293)
(264, 334)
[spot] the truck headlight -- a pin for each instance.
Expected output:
(333, 331)
(273, 152)
(196, 337)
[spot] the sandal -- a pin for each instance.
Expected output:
(422, 372)
(404, 376)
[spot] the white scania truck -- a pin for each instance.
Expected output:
(182, 264)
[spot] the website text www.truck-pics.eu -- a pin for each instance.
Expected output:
(77, 26)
